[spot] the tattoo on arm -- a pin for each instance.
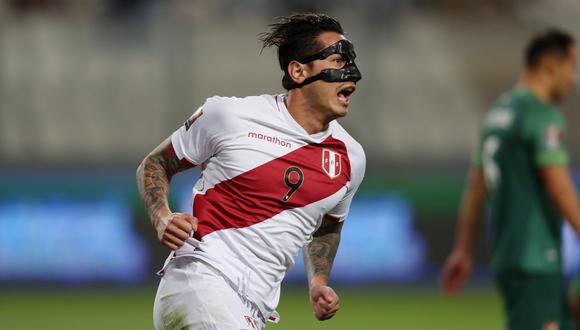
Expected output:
(153, 177)
(319, 254)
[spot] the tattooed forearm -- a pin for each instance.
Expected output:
(153, 177)
(319, 254)
(153, 184)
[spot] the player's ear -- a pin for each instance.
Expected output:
(297, 71)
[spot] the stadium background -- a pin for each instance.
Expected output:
(88, 87)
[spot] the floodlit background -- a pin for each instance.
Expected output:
(89, 87)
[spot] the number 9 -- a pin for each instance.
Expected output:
(292, 185)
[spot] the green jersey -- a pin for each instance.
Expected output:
(520, 135)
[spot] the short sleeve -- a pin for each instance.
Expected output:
(340, 211)
(199, 137)
(545, 136)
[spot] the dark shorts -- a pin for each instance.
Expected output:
(534, 301)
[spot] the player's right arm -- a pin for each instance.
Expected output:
(562, 192)
(153, 177)
(458, 266)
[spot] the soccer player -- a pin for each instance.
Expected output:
(278, 174)
(521, 165)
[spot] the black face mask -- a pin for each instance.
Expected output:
(349, 72)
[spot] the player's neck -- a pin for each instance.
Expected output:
(537, 84)
(302, 112)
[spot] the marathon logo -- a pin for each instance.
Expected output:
(271, 139)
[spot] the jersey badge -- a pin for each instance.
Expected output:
(251, 322)
(553, 136)
(331, 163)
(193, 118)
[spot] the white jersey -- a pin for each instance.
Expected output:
(265, 186)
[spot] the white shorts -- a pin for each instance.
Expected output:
(192, 295)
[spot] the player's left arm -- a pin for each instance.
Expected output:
(561, 189)
(318, 258)
(552, 158)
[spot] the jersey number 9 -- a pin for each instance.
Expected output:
(293, 178)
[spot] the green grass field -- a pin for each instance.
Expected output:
(362, 309)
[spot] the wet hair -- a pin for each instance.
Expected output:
(548, 43)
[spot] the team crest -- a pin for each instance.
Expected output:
(331, 163)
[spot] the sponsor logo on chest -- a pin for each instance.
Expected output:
(271, 139)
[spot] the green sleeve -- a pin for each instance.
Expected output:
(544, 131)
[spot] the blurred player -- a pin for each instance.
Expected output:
(521, 165)
(278, 174)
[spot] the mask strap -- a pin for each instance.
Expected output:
(306, 81)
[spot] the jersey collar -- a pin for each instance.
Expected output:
(316, 137)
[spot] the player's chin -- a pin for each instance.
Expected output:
(340, 110)
(342, 103)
